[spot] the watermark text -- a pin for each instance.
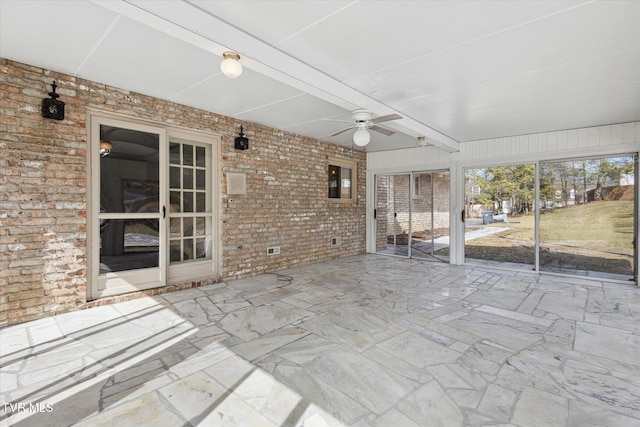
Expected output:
(15, 407)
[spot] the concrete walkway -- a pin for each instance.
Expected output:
(443, 242)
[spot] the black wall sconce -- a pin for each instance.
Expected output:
(242, 142)
(51, 107)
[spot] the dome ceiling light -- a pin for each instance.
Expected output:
(231, 66)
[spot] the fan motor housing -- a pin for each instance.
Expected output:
(361, 116)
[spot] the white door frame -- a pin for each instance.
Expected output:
(115, 283)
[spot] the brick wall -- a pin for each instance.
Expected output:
(422, 201)
(43, 177)
(394, 199)
(286, 205)
(383, 192)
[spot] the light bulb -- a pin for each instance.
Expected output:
(361, 136)
(231, 66)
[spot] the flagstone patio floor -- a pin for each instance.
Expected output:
(360, 341)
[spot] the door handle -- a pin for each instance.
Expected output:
(164, 212)
(463, 213)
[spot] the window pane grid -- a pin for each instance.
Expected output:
(192, 242)
(191, 217)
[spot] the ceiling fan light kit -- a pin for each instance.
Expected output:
(363, 122)
(231, 66)
(361, 136)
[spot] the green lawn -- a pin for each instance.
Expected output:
(596, 236)
(605, 226)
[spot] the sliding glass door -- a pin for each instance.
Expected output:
(587, 216)
(579, 219)
(412, 214)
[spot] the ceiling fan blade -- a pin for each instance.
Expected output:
(336, 120)
(383, 130)
(386, 118)
(341, 131)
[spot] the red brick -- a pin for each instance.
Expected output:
(43, 179)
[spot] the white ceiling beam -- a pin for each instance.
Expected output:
(189, 23)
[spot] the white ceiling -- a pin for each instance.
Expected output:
(455, 70)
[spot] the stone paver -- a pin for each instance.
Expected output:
(360, 341)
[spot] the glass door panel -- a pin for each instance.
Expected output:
(129, 244)
(381, 211)
(499, 216)
(392, 214)
(127, 233)
(587, 216)
(430, 215)
(129, 200)
(190, 213)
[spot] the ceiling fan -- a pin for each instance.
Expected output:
(363, 122)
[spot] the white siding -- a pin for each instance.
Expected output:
(549, 145)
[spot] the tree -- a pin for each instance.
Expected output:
(547, 187)
(507, 183)
(516, 184)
